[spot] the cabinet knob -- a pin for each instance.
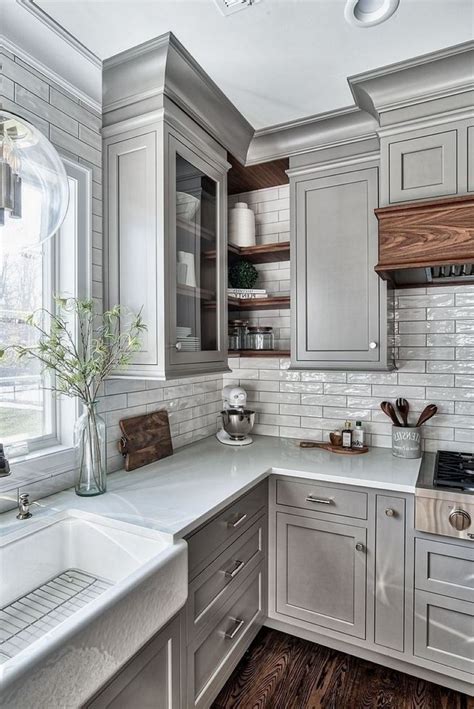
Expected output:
(360, 546)
(373, 345)
(178, 346)
(389, 512)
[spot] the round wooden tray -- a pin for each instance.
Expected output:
(334, 449)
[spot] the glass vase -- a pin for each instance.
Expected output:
(90, 448)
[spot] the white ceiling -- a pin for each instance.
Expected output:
(279, 60)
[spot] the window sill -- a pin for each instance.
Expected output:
(38, 465)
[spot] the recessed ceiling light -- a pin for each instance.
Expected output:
(365, 13)
(228, 7)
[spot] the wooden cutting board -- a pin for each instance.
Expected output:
(145, 439)
(333, 449)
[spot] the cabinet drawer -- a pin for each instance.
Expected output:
(213, 586)
(205, 544)
(211, 653)
(311, 496)
(444, 629)
(447, 569)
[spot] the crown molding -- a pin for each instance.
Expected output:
(59, 30)
(327, 130)
(424, 80)
(141, 75)
(26, 34)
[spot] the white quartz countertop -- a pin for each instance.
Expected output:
(179, 493)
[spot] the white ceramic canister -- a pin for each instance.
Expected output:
(241, 225)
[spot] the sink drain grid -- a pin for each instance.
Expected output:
(41, 610)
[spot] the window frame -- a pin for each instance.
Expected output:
(70, 274)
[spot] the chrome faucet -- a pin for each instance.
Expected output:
(24, 506)
(4, 464)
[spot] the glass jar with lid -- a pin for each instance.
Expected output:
(260, 338)
(238, 333)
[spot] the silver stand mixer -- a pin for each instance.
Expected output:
(237, 420)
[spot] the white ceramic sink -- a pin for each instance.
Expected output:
(79, 581)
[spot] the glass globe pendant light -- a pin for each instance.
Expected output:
(34, 191)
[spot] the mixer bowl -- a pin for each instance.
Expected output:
(238, 422)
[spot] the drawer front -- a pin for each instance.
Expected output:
(216, 648)
(447, 569)
(315, 497)
(423, 167)
(211, 589)
(444, 631)
(205, 544)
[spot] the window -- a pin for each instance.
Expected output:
(31, 418)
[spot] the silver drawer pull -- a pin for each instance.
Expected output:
(238, 566)
(238, 625)
(321, 500)
(237, 522)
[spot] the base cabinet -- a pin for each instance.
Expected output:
(151, 680)
(321, 573)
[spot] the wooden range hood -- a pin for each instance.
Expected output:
(427, 243)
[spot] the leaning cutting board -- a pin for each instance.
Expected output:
(145, 439)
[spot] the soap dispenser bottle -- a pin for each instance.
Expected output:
(347, 435)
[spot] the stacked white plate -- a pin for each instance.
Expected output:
(183, 331)
(190, 344)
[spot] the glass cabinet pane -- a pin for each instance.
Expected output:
(196, 263)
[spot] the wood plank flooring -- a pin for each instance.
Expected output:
(283, 672)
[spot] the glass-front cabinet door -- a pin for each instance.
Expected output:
(198, 260)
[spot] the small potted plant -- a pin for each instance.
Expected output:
(79, 365)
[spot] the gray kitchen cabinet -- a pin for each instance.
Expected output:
(151, 679)
(339, 315)
(445, 568)
(423, 167)
(470, 159)
(425, 163)
(321, 573)
(390, 572)
(444, 631)
(165, 192)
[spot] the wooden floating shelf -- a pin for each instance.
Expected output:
(272, 303)
(263, 253)
(259, 353)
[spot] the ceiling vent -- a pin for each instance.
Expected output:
(228, 7)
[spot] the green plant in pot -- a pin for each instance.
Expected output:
(80, 348)
(242, 274)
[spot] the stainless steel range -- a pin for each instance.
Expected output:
(445, 495)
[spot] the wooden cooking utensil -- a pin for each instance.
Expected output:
(403, 408)
(427, 413)
(388, 409)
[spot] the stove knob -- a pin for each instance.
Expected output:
(459, 519)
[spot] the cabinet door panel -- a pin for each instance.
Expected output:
(321, 576)
(470, 159)
(150, 680)
(423, 167)
(337, 289)
(390, 572)
(447, 569)
(132, 237)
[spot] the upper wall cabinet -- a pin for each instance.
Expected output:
(165, 199)
(428, 163)
(339, 316)
(165, 202)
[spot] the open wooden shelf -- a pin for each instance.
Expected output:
(272, 303)
(259, 353)
(262, 253)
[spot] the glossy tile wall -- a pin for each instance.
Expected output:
(434, 348)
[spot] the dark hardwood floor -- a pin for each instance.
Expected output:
(283, 672)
